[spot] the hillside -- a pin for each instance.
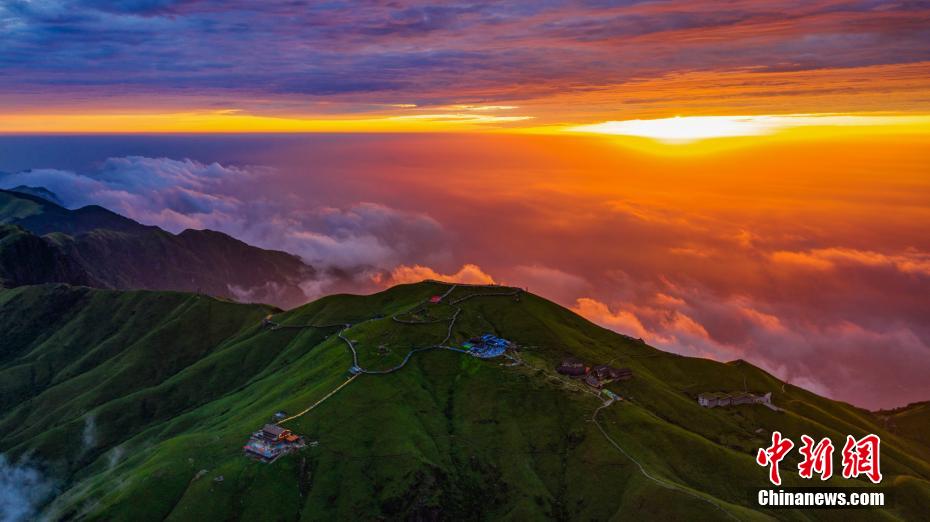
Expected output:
(106, 250)
(136, 405)
(911, 421)
(27, 259)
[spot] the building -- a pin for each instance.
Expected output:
(487, 346)
(435, 299)
(593, 381)
(271, 442)
(707, 400)
(609, 373)
(573, 367)
(712, 400)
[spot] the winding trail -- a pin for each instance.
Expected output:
(358, 370)
(441, 345)
(661, 482)
(317, 403)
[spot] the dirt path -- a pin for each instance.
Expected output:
(661, 482)
(317, 403)
(358, 370)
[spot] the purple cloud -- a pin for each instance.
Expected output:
(371, 52)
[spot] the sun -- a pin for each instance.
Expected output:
(686, 129)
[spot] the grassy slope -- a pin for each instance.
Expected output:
(174, 383)
(14, 207)
(910, 421)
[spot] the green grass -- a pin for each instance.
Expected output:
(174, 384)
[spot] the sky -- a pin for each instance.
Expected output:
(533, 66)
(727, 179)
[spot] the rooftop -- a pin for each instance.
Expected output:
(273, 429)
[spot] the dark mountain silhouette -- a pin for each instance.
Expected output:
(93, 246)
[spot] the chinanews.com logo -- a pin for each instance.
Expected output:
(860, 459)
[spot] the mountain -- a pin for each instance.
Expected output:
(41, 192)
(136, 405)
(104, 249)
(27, 259)
(41, 216)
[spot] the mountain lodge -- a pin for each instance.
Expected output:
(271, 442)
(595, 377)
(487, 346)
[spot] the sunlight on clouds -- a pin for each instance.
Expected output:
(235, 120)
(456, 118)
(468, 274)
(482, 108)
(461, 117)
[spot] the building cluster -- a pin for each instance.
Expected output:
(487, 346)
(271, 442)
(715, 399)
(594, 376)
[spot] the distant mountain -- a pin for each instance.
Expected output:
(94, 246)
(41, 216)
(135, 405)
(41, 192)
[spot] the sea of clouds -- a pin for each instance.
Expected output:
(350, 246)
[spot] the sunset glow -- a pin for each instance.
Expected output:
(693, 128)
(743, 179)
(464, 260)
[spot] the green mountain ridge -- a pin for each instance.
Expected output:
(96, 247)
(137, 405)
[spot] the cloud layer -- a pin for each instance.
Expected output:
(348, 245)
(468, 274)
(559, 60)
(22, 488)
